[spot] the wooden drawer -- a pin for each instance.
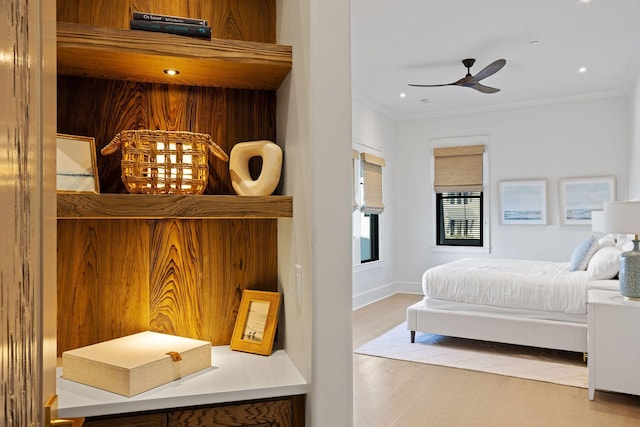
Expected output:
(279, 412)
(273, 413)
(153, 420)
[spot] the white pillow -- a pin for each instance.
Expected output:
(583, 253)
(625, 244)
(607, 240)
(605, 263)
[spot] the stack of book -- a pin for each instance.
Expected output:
(193, 27)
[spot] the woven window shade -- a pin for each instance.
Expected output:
(355, 175)
(372, 183)
(458, 169)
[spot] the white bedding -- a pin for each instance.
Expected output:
(522, 284)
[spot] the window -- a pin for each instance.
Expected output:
(369, 247)
(459, 218)
(458, 175)
(367, 206)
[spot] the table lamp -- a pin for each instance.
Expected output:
(624, 218)
(597, 222)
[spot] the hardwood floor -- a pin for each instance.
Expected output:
(391, 393)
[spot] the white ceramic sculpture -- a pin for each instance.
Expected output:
(269, 177)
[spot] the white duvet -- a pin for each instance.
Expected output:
(525, 284)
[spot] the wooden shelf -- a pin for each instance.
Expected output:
(117, 54)
(156, 206)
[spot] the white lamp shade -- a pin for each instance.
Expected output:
(622, 217)
(597, 222)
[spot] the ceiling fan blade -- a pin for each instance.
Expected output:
(446, 84)
(482, 88)
(462, 82)
(489, 70)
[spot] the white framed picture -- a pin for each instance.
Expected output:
(523, 202)
(580, 196)
(77, 170)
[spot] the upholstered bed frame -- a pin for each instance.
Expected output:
(561, 335)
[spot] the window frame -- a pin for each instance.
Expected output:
(486, 196)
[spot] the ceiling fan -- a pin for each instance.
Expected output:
(474, 81)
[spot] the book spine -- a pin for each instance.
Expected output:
(154, 17)
(167, 27)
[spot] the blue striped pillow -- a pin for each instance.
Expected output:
(583, 253)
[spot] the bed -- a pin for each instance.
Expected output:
(525, 302)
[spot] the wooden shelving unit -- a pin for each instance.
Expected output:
(117, 54)
(157, 206)
(169, 263)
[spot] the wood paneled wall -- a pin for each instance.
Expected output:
(184, 277)
(154, 277)
(102, 108)
(181, 277)
(249, 20)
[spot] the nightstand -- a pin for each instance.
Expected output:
(614, 343)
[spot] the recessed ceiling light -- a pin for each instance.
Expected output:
(582, 69)
(402, 95)
(171, 72)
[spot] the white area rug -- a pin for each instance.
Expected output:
(554, 366)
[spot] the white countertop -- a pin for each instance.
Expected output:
(233, 376)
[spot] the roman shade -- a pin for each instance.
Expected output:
(458, 169)
(372, 183)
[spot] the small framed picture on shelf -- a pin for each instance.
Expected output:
(255, 327)
(77, 170)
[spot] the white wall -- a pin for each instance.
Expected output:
(634, 155)
(314, 129)
(377, 133)
(577, 139)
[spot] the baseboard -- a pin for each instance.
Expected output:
(409, 288)
(381, 292)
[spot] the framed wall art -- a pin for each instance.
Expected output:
(523, 202)
(77, 170)
(255, 327)
(580, 196)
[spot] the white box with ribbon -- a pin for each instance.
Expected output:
(136, 363)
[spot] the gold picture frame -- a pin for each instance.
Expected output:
(255, 327)
(77, 170)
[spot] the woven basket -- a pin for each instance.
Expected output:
(161, 162)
